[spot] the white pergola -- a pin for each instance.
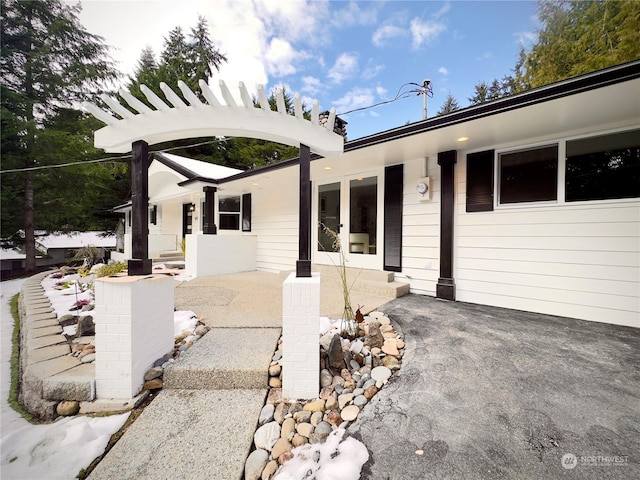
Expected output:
(189, 117)
(137, 126)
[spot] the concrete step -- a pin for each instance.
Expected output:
(77, 383)
(332, 271)
(225, 359)
(194, 434)
(171, 253)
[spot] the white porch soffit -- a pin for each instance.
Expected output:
(194, 118)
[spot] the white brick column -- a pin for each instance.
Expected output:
(134, 327)
(300, 337)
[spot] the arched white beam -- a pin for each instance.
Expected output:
(212, 119)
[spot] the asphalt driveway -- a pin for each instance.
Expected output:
(493, 393)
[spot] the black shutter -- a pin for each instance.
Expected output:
(393, 185)
(246, 212)
(480, 181)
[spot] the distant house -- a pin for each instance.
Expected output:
(56, 249)
(529, 202)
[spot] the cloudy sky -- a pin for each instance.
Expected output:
(346, 54)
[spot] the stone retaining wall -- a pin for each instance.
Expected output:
(48, 372)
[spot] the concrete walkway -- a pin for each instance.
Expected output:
(488, 393)
(201, 425)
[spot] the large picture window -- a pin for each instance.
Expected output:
(229, 208)
(529, 175)
(603, 167)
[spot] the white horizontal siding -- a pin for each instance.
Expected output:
(274, 220)
(575, 260)
(421, 229)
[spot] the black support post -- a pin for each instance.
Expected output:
(446, 287)
(209, 227)
(303, 265)
(140, 264)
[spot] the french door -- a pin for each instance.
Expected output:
(351, 208)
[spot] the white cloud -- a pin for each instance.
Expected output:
(346, 66)
(381, 91)
(300, 20)
(352, 14)
(425, 31)
(311, 85)
(282, 58)
(385, 33)
(357, 97)
(443, 71)
(372, 70)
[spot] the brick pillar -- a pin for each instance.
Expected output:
(300, 337)
(134, 327)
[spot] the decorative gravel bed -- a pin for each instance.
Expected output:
(309, 436)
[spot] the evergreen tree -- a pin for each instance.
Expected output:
(48, 61)
(481, 92)
(581, 37)
(450, 105)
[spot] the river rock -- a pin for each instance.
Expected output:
(275, 382)
(315, 406)
(68, 408)
(336, 355)
(152, 373)
(356, 346)
(344, 399)
(374, 338)
(154, 384)
(326, 392)
(274, 370)
(391, 362)
(370, 391)
(325, 378)
(269, 470)
(288, 428)
(281, 446)
(380, 374)
(298, 440)
(304, 429)
(255, 463)
(390, 348)
(316, 418)
(350, 413)
(302, 416)
(86, 327)
(266, 436)
(266, 414)
(325, 340)
(334, 418)
(280, 412)
(360, 400)
(331, 403)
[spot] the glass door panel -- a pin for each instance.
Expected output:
(328, 215)
(363, 216)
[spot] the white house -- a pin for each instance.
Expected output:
(530, 202)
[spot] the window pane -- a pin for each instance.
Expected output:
(229, 204)
(229, 221)
(604, 167)
(363, 215)
(529, 175)
(328, 215)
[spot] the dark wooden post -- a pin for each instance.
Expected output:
(209, 227)
(140, 264)
(303, 265)
(446, 287)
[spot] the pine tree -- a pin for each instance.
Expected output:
(450, 105)
(48, 60)
(480, 96)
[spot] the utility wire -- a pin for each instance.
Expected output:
(108, 159)
(398, 96)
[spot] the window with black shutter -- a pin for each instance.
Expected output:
(393, 183)
(480, 181)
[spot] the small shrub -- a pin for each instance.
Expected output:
(112, 269)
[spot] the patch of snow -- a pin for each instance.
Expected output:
(336, 459)
(184, 320)
(70, 330)
(325, 325)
